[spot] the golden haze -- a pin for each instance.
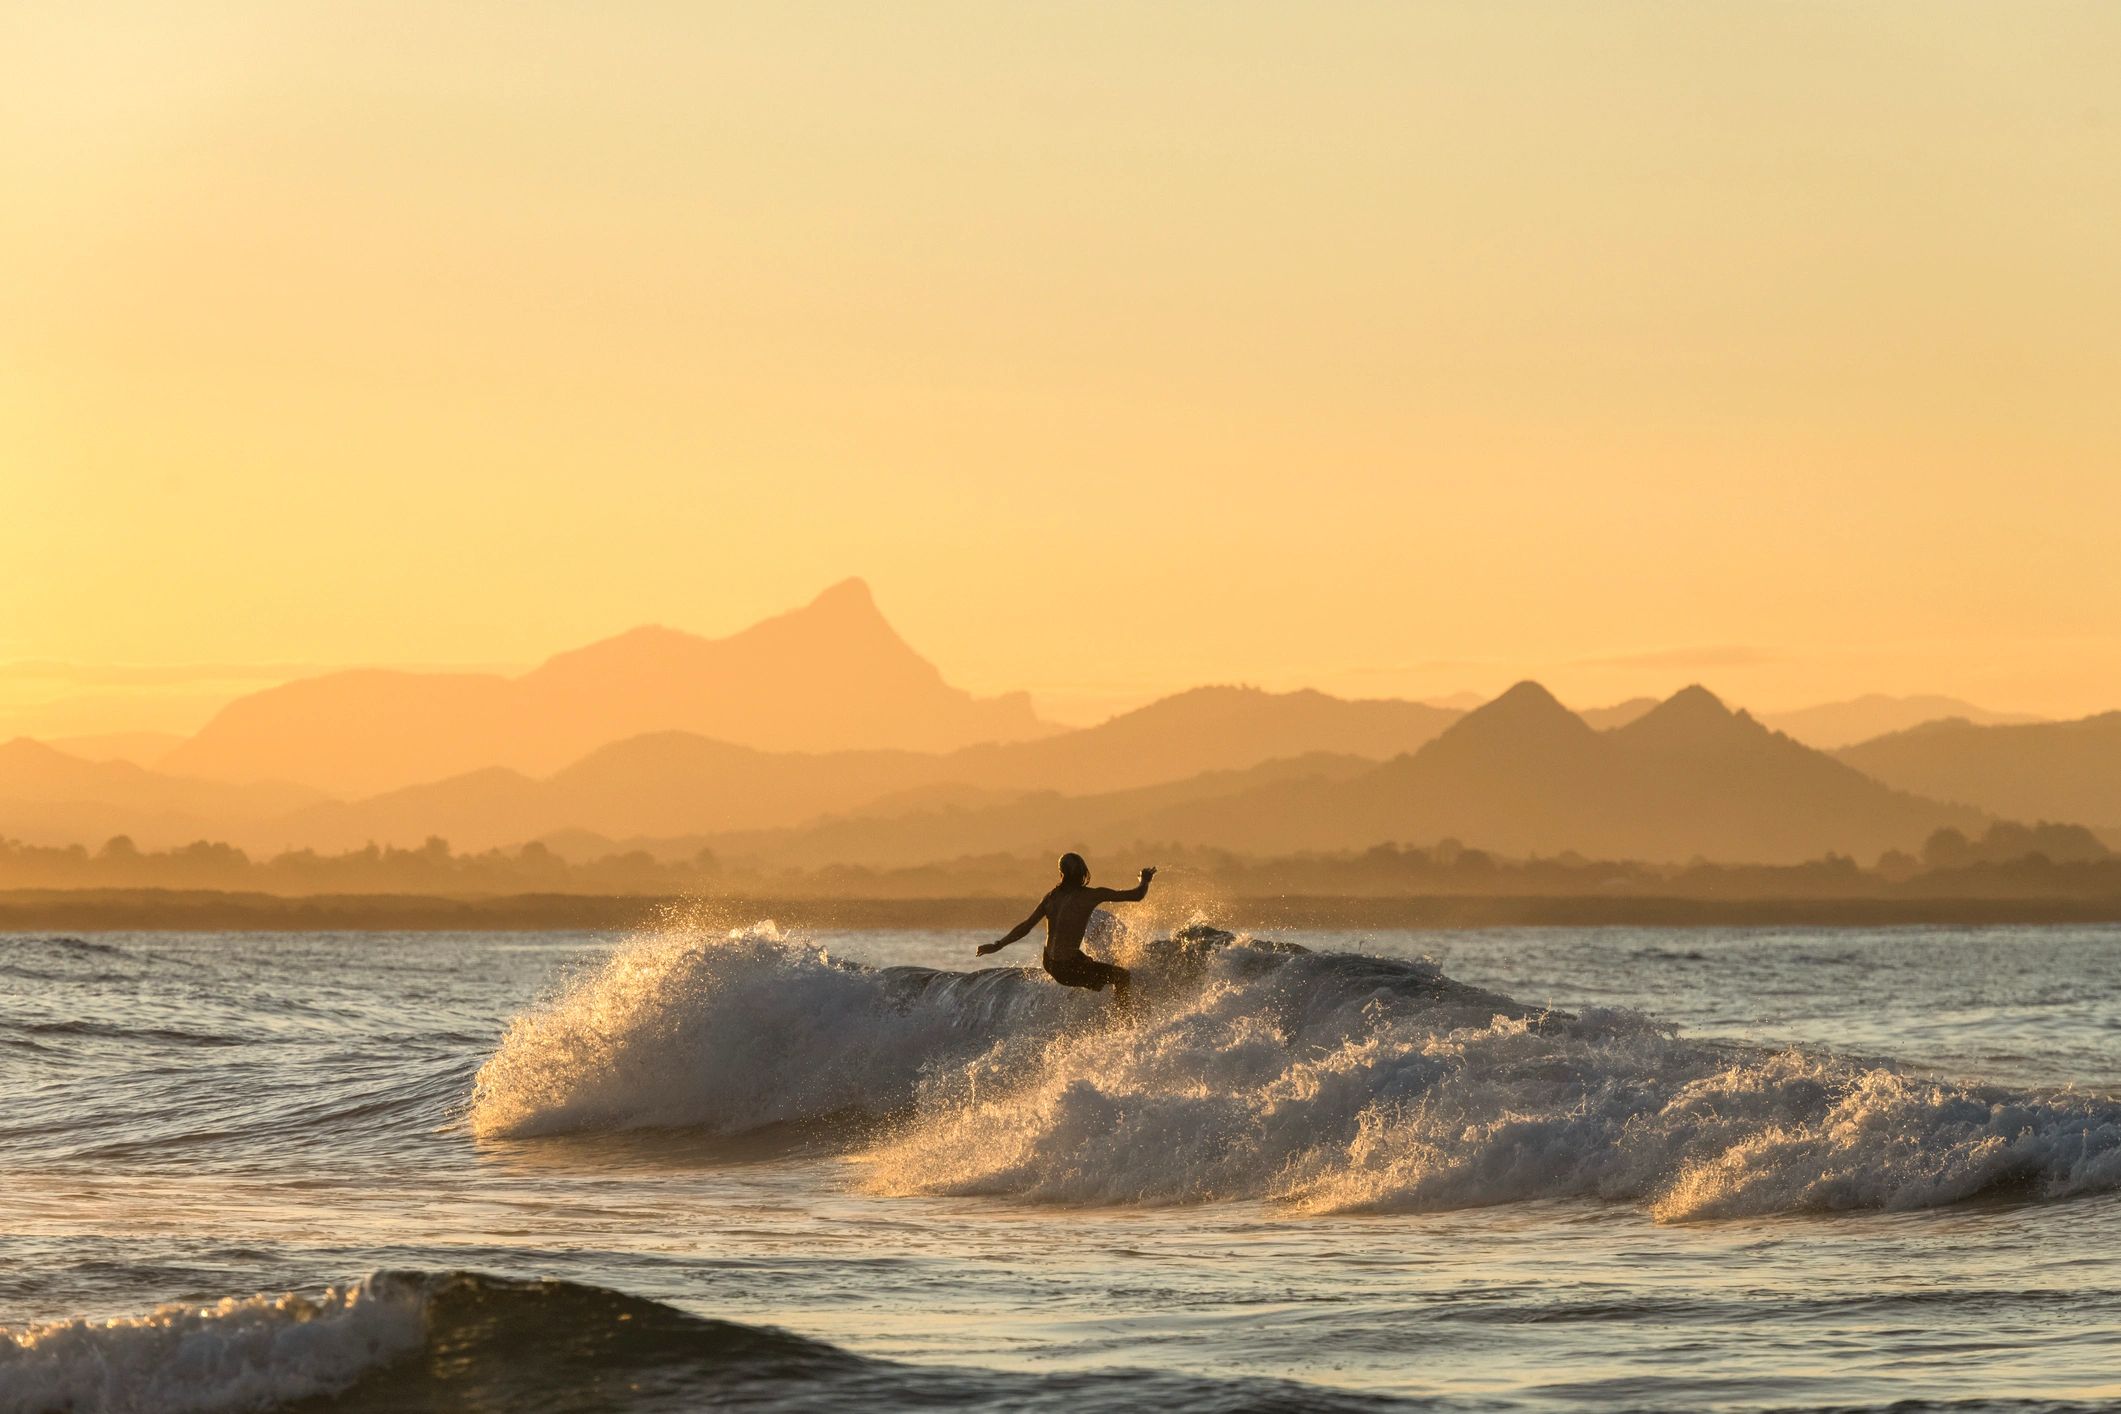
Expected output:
(1388, 349)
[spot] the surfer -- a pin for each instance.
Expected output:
(1067, 911)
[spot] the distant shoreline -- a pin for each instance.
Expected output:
(167, 910)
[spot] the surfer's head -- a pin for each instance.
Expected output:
(1074, 868)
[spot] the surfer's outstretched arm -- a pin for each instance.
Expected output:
(1134, 895)
(1019, 930)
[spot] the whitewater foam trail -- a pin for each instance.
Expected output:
(1321, 1082)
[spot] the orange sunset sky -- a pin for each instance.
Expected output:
(1387, 348)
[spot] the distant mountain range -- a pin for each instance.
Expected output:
(49, 797)
(1206, 729)
(140, 748)
(830, 676)
(680, 783)
(1522, 775)
(2059, 771)
(820, 736)
(1833, 725)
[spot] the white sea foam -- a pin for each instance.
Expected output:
(731, 1030)
(1213, 1101)
(1323, 1082)
(247, 1353)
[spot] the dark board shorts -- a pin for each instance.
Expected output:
(1074, 969)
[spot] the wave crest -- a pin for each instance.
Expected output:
(398, 1342)
(240, 1353)
(734, 1030)
(1325, 1082)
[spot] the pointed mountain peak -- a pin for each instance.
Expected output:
(842, 620)
(1527, 699)
(850, 598)
(1693, 703)
(1693, 716)
(845, 613)
(1526, 713)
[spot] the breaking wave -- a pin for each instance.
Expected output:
(400, 1342)
(1323, 1082)
(252, 1352)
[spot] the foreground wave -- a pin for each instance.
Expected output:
(408, 1342)
(1326, 1082)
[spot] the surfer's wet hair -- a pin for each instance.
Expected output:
(1074, 868)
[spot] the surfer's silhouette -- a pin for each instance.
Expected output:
(1067, 911)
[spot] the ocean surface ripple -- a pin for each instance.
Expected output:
(716, 1163)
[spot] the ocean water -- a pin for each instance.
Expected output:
(725, 1163)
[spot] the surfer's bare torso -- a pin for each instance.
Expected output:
(1066, 912)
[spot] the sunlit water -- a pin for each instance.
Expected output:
(1869, 1167)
